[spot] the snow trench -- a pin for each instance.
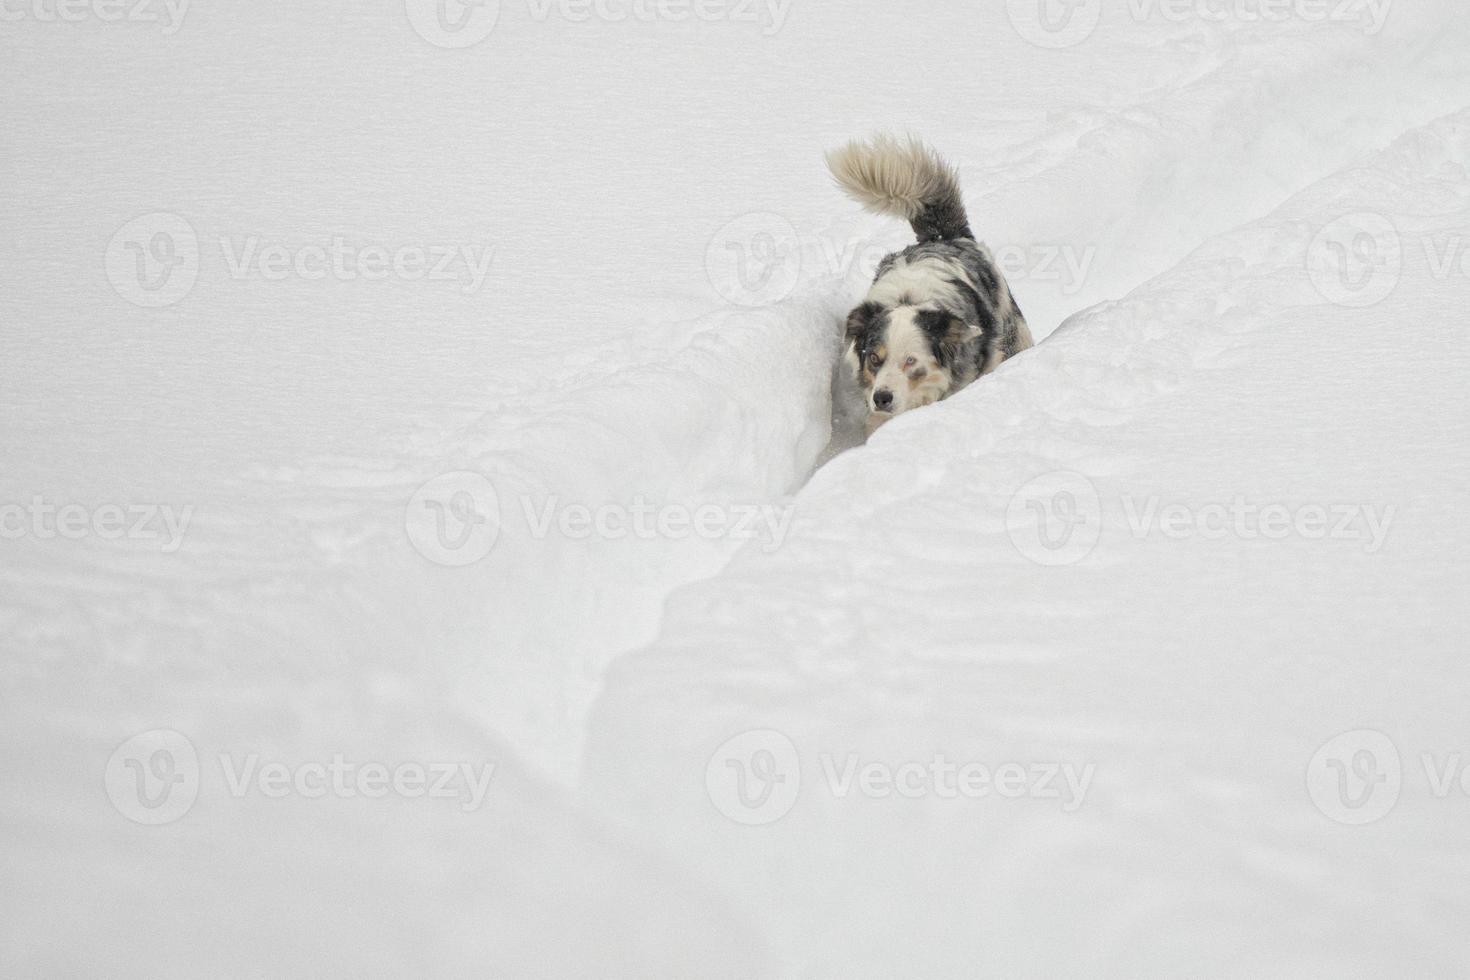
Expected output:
(738, 417)
(1175, 686)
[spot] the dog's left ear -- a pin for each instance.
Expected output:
(956, 337)
(860, 319)
(948, 334)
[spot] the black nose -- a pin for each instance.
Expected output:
(883, 398)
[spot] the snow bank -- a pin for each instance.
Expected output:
(1190, 666)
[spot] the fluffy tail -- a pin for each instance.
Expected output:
(906, 179)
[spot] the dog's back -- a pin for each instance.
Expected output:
(908, 180)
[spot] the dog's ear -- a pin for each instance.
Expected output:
(947, 334)
(860, 320)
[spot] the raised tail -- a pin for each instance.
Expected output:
(906, 179)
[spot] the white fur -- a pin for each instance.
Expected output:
(905, 340)
(925, 278)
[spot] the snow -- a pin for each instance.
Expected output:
(1198, 670)
(645, 269)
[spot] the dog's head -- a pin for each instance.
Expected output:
(904, 357)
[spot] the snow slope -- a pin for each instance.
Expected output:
(915, 611)
(645, 280)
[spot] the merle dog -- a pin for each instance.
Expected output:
(939, 314)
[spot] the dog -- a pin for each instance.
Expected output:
(940, 313)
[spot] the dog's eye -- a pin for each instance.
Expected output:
(910, 362)
(874, 362)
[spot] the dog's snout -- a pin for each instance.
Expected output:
(883, 399)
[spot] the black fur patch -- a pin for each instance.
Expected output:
(986, 277)
(863, 324)
(942, 219)
(860, 320)
(946, 333)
